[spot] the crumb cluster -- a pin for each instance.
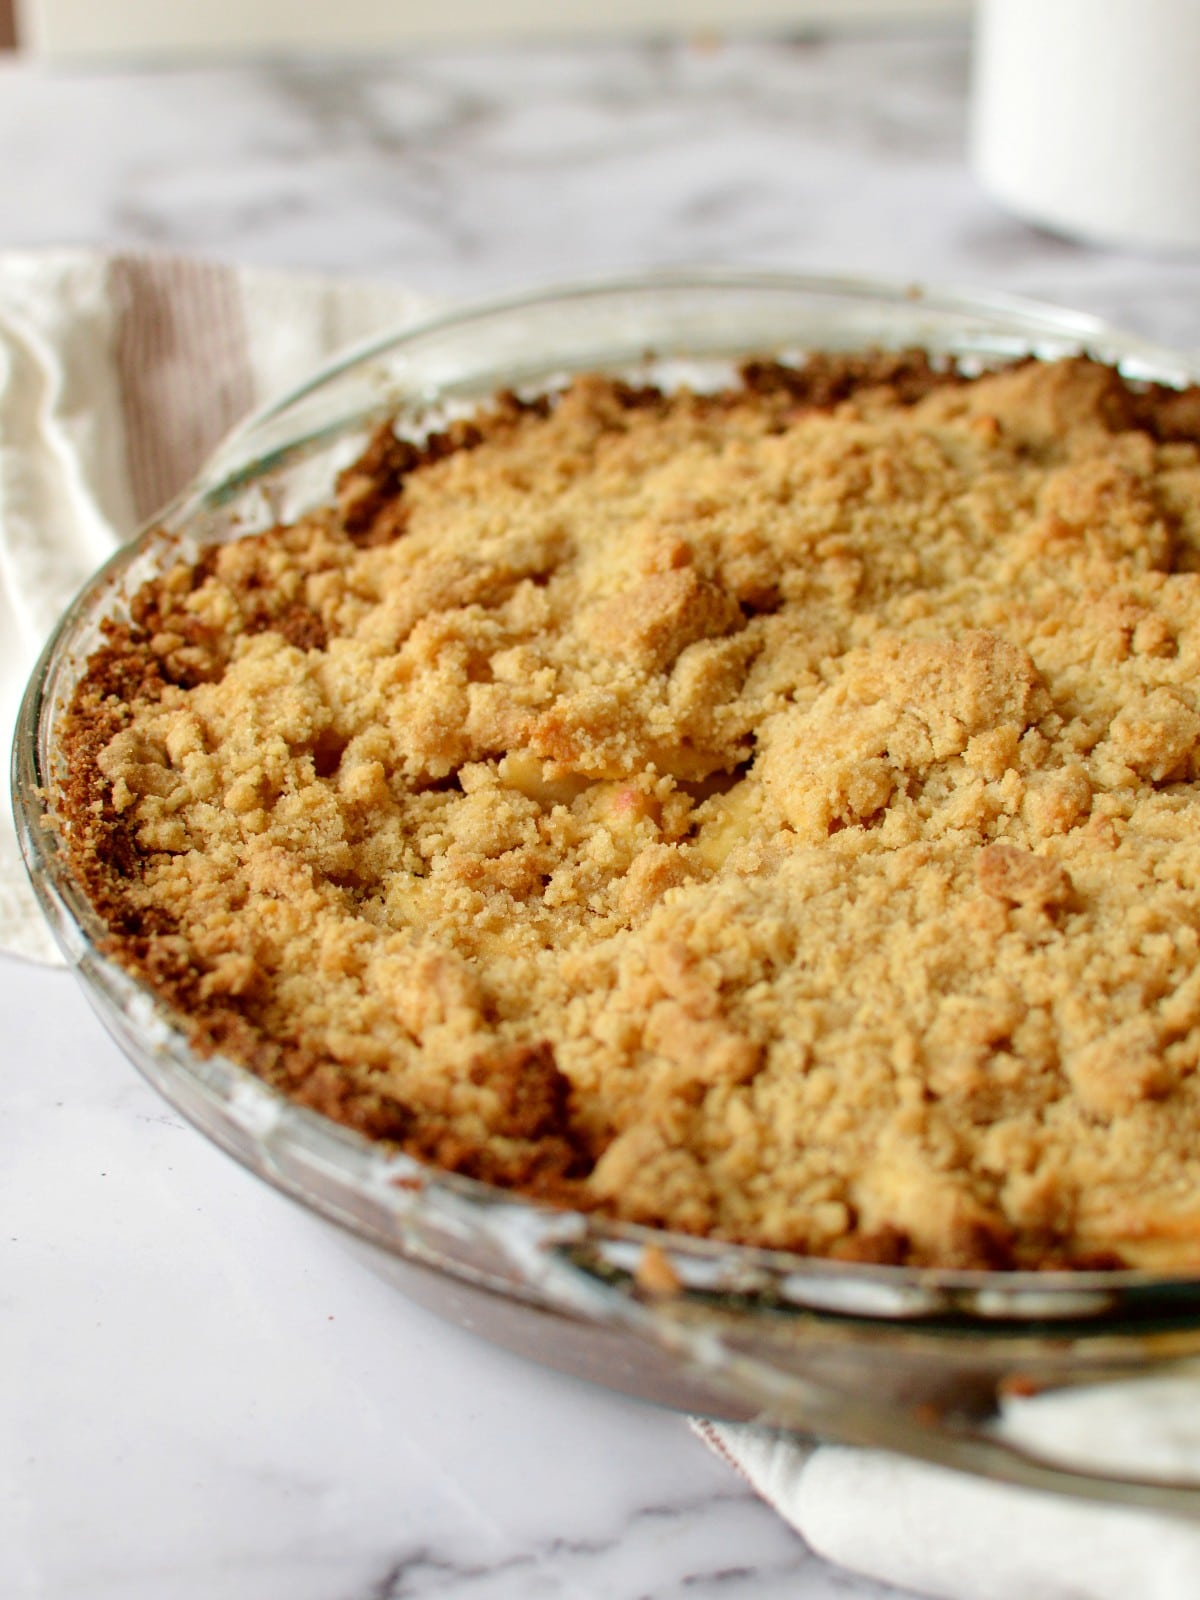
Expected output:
(771, 815)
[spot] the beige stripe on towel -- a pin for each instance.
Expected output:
(183, 364)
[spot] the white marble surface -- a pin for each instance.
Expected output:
(200, 1395)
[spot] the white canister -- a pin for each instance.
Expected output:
(1085, 116)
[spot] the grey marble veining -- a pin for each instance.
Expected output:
(212, 1398)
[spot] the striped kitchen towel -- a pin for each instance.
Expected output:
(951, 1536)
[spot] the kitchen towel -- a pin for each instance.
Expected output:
(118, 375)
(952, 1536)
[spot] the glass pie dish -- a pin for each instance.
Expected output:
(967, 1368)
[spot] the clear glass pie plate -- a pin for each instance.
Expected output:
(974, 1369)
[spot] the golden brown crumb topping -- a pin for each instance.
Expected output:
(771, 814)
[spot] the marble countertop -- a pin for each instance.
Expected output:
(202, 1394)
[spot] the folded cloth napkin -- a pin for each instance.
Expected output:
(118, 375)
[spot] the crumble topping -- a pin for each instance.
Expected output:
(770, 814)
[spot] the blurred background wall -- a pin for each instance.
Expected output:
(129, 28)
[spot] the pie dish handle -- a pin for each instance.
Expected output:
(1134, 1441)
